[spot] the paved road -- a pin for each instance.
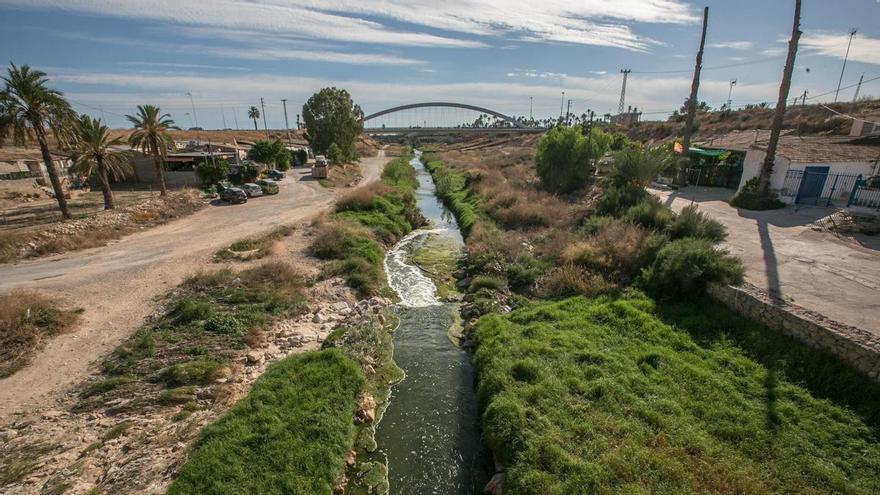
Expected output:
(117, 284)
(839, 278)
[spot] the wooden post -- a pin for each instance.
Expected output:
(779, 113)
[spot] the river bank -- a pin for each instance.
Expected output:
(665, 381)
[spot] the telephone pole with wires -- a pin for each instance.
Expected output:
(568, 113)
(620, 107)
(193, 103)
(845, 58)
(730, 92)
(561, 104)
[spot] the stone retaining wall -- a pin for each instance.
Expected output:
(856, 347)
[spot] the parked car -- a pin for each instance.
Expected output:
(268, 186)
(232, 195)
(274, 174)
(252, 190)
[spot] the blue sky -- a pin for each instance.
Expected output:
(112, 55)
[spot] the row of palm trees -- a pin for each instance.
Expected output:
(30, 110)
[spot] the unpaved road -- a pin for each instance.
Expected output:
(117, 284)
(838, 278)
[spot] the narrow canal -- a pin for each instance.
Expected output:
(430, 430)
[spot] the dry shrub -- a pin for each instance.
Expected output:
(277, 274)
(572, 280)
(27, 319)
(551, 243)
(360, 198)
(618, 250)
(144, 216)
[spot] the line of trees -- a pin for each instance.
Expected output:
(30, 111)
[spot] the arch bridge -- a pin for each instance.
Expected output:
(507, 123)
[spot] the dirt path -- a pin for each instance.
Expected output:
(117, 284)
(782, 254)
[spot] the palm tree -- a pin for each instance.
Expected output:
(29, 108)
(93, 154)
(254, 114)
(779, 111)
(151, 137)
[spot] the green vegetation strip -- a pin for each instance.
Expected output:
(453, 189)
(367, 220)
(601, 396)
(288, 436)
(210, 317)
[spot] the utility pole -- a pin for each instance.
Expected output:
(568, 113)
(223, 114)
(695, 87)
(845, 58)
(191, 102)
(298, 126)
(286, 125)
(265, 126)
(235, 116)
(625, 73)
(730, 92)
(804, 98)
(859, 87)
(530, 108)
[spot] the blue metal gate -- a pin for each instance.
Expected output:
(817, 186)
(865, 194)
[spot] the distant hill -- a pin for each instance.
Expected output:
(805, 120)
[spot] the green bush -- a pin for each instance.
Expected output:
(289, 435)
(189, 309)
(638, 167)
(195, 372)
(487, 282)
(563, 159)
(750, 198)
(224, 324)
(686, 266)
(572, 280)
(649, 213)
(615, 200)
(334, 153)
(523, 273)
(212, 171)
(691, 222)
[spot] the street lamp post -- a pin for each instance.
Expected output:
(730, 92)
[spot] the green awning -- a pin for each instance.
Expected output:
(709, 153)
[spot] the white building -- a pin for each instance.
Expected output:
(815, 166)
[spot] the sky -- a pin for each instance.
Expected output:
(108, 56)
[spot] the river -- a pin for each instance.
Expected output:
(429, 431)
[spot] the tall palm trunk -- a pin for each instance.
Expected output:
(255, 125)
(779, 113)
(50, 168)
(105, 184)
(160, 174)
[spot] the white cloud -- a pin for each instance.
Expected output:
(598, 93)
(591, 22)
(864, 48)
(531, 73)
(733, 45)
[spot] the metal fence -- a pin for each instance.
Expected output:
(865, 195)
(819, 188)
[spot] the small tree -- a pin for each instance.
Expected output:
(280, 155)
(262, 151)
(334, 153)
(331, 117)
(212, 171)
(564, 158)
(637, 167)
(93, 154)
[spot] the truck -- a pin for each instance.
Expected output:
(320, 170)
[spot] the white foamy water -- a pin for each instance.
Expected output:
(415, 289)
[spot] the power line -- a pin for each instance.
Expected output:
(716, 67)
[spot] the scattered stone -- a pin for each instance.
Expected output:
(318, 318)
(340, 306)
(52, 414)
(254, 357)
(350, 458)
(366, 408)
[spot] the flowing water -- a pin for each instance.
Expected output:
(429, 432)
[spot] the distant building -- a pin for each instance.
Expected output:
(27, 163)
(631, 116)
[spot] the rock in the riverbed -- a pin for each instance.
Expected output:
(495, 486)
(254, 357)
(366, 408)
